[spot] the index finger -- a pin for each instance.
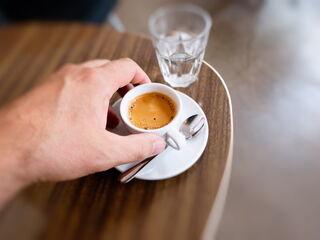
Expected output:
(122, 72)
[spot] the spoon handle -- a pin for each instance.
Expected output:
(129, 174)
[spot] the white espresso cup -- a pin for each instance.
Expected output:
(170, 132)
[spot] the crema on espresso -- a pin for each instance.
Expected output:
(151, 110)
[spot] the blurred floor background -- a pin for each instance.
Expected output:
(269, 55)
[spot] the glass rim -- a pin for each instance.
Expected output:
(184, 7)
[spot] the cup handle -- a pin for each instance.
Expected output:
(175, 139)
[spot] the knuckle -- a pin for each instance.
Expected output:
(75, 75)
(66, 72)
(69, 67)
(88, 74)
(139, 153)
(128, 60)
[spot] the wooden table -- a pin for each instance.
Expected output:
(98, 207)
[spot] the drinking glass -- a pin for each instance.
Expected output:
(180, 34)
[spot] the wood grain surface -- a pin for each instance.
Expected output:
(97, 206)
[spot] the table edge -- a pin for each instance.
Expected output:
(216, 211)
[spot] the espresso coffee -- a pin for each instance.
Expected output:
(151, 110)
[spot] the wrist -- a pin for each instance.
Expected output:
(12, 156)
(11, 181)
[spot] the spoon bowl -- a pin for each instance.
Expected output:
(192, 125)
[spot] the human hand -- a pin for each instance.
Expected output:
(57, 131)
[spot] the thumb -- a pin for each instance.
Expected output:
(137, 147)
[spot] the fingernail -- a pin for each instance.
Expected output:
(158, 146)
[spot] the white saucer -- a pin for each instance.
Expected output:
(171, 162)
